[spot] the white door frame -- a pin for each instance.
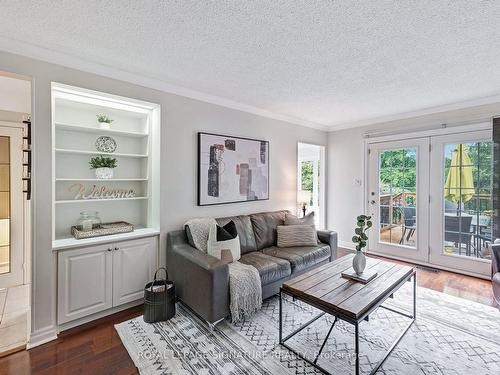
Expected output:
(321, 180)
(18, 253)
(436, 255)
(420, 251)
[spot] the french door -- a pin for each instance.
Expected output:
(462, 212)
(11, 207)
(431, 200)
(398, 197)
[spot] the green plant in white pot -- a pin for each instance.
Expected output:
(104, 121)
(360, 239)
(103, 166)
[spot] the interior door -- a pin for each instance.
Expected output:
(11, 207)
(461, 201)
(398, 196)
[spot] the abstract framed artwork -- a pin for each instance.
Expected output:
(232, 169)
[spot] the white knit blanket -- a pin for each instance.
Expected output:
(245, 290)
(200, 228)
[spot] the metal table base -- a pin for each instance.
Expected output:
(356, 323)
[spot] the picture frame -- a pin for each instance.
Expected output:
(232, 169)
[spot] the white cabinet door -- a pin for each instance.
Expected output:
(84, 282)
(134, 263)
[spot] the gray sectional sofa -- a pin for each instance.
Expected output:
(202, 281)
(495, 271)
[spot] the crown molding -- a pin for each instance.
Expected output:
(463, 105)
(51, 56)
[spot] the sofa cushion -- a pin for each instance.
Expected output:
(264, 227)
(300, 258)
(245, 231)
(270, 268)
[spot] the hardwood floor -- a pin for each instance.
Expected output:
(468, 287)
(94, 349)
(97, 349)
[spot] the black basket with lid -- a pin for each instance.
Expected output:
(159, 299)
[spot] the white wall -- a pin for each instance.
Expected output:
(346, 161)
(15, 94)
(181, 119)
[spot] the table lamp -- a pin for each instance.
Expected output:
(303, 199)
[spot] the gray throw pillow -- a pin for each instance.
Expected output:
(294, 220)
(296, 235)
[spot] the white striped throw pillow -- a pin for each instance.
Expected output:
(296, 235)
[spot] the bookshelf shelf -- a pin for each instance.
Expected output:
(135, 129)
(85, 152)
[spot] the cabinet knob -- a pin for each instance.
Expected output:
(110, 249)
(116, 248)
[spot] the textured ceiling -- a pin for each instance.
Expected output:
(326, 62)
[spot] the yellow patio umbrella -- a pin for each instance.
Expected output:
(459, 186)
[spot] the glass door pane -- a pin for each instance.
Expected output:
(468, 208)
(398, 196)
(4, 205)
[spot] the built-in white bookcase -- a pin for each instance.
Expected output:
(135, 128)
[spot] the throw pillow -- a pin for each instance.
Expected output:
(294, 220)
(227, 232)
(296, 235)
(224, 242)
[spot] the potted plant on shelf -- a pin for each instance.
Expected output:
(103, 166)
(359, 261)
(104, 121)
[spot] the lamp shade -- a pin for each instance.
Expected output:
(303, 196)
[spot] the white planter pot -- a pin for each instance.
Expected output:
(359, 262)
(104, 125)
(104, 173)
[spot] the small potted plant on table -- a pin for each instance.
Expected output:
(359, 261)
(103, 166)
(104, 121)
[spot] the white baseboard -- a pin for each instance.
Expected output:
(432, 265)
(101, 314)
(50, 333)
(347, 245)
(42, 336)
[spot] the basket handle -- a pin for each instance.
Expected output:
(158, 270)
(156, 273)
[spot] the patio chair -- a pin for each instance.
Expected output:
(457, 230)
(409, 215)
(482, 232)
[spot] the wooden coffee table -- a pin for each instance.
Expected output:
(351, 301)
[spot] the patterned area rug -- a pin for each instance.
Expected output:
(450, 336)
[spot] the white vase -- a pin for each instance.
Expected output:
(359, 262)
(104, 125)
(104, 173)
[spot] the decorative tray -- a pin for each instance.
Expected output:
(105, 229)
